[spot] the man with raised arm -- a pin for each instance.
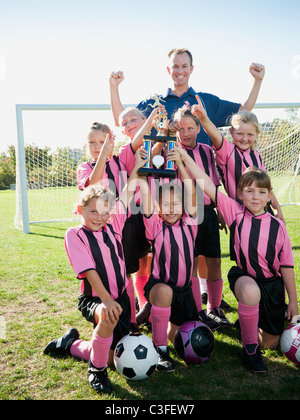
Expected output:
(180, 68)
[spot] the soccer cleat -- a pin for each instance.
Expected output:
(165, 362)
(254, 361)
(213, 325)
(98, 379)
(219, 317)
(61, 346)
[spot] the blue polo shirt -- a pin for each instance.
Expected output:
(218, 110)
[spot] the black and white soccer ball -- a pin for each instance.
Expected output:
(135, 356)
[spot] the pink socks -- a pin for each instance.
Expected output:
(97, 350)
(197, 293)
(248, 317)
(81, 349)
(214, 294)
(140, 282)
(100, 350)
(160, 319)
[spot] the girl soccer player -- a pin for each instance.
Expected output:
(208, 238)
(95, 252)
(135, 126)
(109, 170)
(234, 158)
(172, 234)
(112, 171)
(264, 259)
(103, 167)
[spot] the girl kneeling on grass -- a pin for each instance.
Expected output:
(171, 228)
(95, 252)
(264, 259)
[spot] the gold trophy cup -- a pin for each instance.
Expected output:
(161, 168)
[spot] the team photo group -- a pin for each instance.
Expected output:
(147, 252)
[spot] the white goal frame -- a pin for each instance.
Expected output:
(20, 158)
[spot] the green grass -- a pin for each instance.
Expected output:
(38, 295)
(39, 203)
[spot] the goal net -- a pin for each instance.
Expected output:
(51, 145)
(48, 157)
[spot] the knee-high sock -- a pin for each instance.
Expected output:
(81, 349)
(214, 294)
(160, 319)
(140, 282)
(100, 350)
(130, 291)
(197, 293)
(248, 317)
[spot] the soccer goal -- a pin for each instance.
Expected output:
(50, 146)
(49, 150)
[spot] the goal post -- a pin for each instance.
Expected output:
(46, 179)
(22, 210)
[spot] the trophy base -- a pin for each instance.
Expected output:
(157, 173)
(161, 139)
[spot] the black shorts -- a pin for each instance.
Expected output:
(135, 244)
(88, 304)
(183, 306)
(272, 302)
(208, 237)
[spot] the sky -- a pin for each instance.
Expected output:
(63, 51)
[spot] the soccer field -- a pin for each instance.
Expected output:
(38, 295)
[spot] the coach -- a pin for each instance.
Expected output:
(180, 68)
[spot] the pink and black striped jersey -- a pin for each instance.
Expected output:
(172, 248)
(127, 158)
(232, 163)
(114, 177)
(261, 243)
(101, 251)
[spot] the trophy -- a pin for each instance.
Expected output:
(159, 170)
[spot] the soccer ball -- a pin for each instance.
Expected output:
(135, 356)
(194, 342)
(290, 343)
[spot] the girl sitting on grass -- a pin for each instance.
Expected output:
(264, 259)
(172, 231)
(95, 252)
